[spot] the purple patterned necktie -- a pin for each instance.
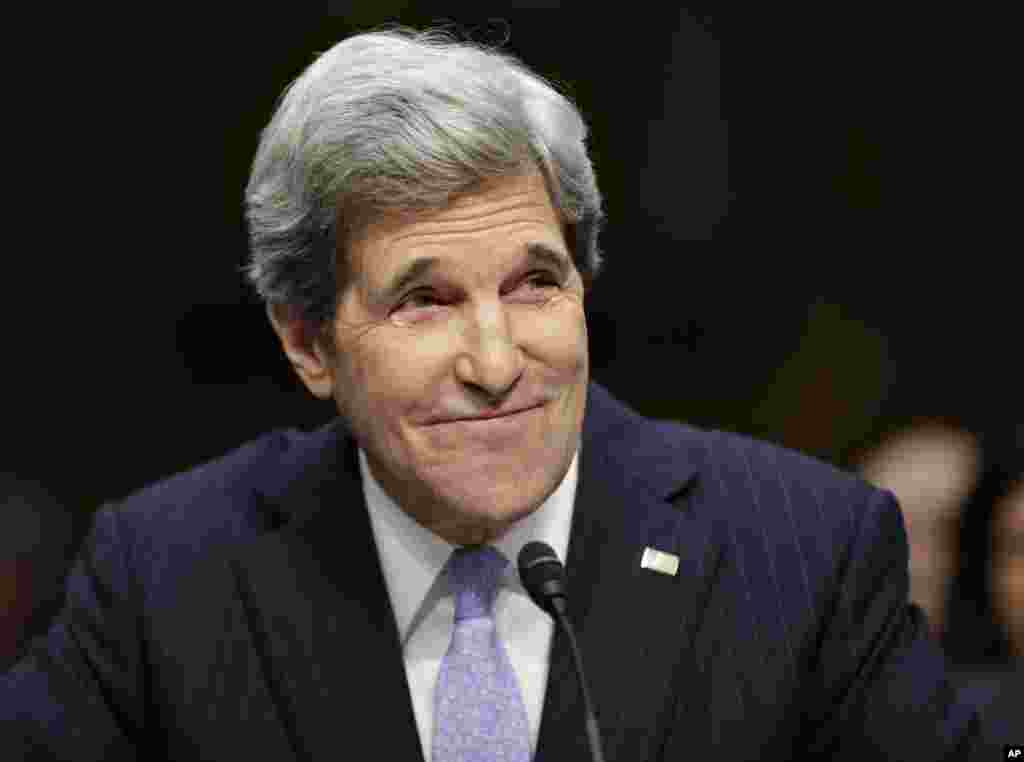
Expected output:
(479, 714)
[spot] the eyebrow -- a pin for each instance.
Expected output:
(417, 269)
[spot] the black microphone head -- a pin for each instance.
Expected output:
(543, 577)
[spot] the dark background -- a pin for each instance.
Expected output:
(798, 244)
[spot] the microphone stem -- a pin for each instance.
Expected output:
(593, 731)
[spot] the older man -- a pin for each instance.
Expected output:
(424, 222)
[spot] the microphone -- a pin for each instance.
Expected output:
(544, 578)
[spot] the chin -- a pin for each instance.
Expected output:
(502, 507)
(497, 513)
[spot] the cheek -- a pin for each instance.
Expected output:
(373, 392)
(557, 335)
(394, 363)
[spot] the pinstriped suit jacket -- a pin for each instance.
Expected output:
(238, 611)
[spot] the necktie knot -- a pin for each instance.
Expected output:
(474, 574)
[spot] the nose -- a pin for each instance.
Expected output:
(490, 360)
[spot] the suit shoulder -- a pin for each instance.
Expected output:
(769, 482)
(735, 467)
(215, 500)
(761, 456)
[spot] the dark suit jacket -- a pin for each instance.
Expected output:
(238, 611)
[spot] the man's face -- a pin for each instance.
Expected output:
(495, 323)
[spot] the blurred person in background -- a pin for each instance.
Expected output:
(1007, 574)
(37, 540)
(1007, 567)
(985, 632)
(984, 639)
(962, 497)
(932, 467)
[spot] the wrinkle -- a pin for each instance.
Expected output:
(455, 234)
(471, 223)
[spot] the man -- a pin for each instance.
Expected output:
(424, 224)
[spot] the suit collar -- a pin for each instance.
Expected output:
(641, 452)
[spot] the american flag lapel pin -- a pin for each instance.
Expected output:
(656, 560)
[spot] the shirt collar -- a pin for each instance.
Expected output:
(412, 556)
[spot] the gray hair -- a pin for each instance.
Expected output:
(400, 121)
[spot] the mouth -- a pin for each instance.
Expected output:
(491, 416)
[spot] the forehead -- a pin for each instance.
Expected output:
(500, 216)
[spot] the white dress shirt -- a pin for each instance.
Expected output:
(412, 558)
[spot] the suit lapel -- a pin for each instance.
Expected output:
(319, 608)
(635, 626)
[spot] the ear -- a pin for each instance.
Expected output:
(301, 344)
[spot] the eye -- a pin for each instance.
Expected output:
(542, 279)
(418, 299)
(538, 280)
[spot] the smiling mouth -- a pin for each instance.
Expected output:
(495, 417)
